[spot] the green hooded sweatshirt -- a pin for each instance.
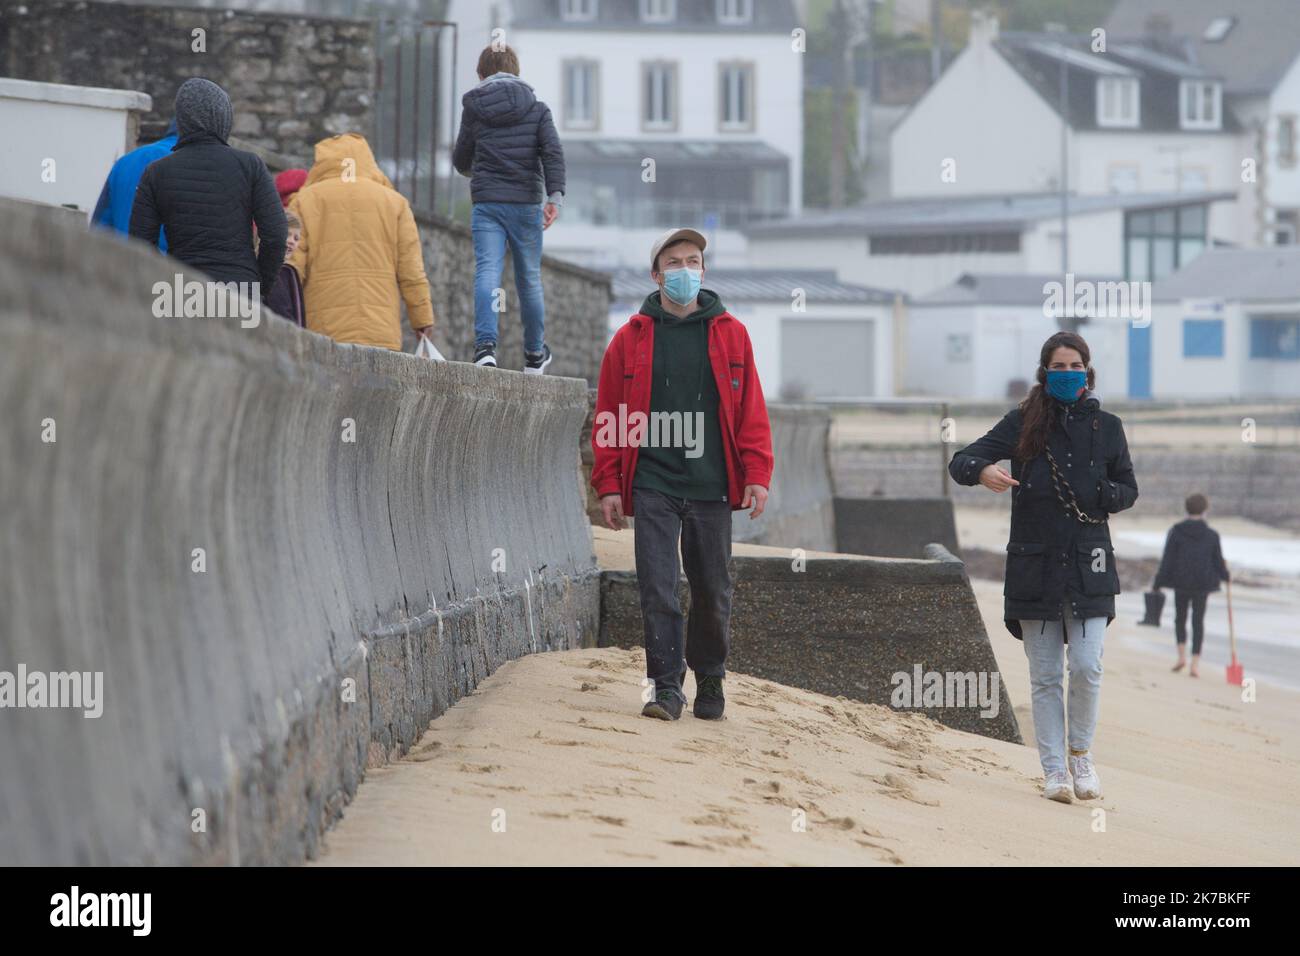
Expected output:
(683, 383)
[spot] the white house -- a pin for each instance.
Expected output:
(671, 112)
(1228, 326)
(814, 337)
(70, 138)
(1137, 116)
(979, 338)
(1253, 46)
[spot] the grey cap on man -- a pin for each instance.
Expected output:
(670, 237)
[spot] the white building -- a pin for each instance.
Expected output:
(1254, 47)
(814, 337)
(671, 112)
(1228, 326)
(1136, 119)
(979, 338)
(70, 137)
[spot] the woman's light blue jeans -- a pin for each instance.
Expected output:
(1047, 651)
(496, 226)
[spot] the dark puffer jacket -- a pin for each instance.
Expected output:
(1053, 557)
(208, 196)
(1193, 558)
(507, 143)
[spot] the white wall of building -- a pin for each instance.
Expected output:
(1282, 182)
(1234, 374)
(1096, 245)
(64, 140)
(1003, 136)
(778, 74)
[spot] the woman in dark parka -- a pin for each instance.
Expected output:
(1070, 470)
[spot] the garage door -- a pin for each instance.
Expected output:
(825, 358)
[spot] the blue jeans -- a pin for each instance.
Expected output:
(1045, 648)
(518, 225)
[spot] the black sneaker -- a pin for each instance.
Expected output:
(486, 355)
(535, 362)
(665, 706)
(709, 701)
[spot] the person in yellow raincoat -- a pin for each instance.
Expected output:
(359, 250)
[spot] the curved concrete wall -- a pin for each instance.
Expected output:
(447, 538)
(800, 511)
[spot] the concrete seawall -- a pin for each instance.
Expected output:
(377, 534)
(848, 627)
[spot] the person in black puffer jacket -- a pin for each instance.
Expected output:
(208, 196)
(1070, 470)
(1193, 565)
(508, 146)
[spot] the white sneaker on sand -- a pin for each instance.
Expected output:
(1056, 786)
(1087, 785)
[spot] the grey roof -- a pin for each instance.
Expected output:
(677, 151)
(759, 285)
(1252, 58)
(1242, 275)
(695, 16)
(982, 288)
(1005, 213)
(1037, 58)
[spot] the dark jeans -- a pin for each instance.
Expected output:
(704, 530)
(1196, 601)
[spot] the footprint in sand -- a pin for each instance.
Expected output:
(900, 787)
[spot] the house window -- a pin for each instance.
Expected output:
(1274, 338)
(1117, 101)
(1286, 153)
(572, 10)
(1198, 104)
(659, 96)
(1159, 241)
(735, 11)
(581, 94)
(658, 11)
(1202, 338)
(736, 97)
(943, 244)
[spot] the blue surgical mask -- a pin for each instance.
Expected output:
(1065, 384)
(682, 285)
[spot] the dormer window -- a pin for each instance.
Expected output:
(1117, 102)
(577, 10)
(735, 12)
(1199, 104)
(658, 11)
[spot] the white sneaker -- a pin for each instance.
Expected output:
(1056, 786)
(1087, 785)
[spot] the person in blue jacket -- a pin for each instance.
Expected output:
(113, 211)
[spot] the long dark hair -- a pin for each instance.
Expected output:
(1036, 410)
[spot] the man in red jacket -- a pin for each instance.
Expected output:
(681, 439)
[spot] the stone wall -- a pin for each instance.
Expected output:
(378, 533)
(293, 79)
(1258, 483)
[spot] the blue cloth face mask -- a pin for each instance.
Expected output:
(682, 285)
(1065, 384)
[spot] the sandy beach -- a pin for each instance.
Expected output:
(548, 762)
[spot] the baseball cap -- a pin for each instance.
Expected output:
(675, 235)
